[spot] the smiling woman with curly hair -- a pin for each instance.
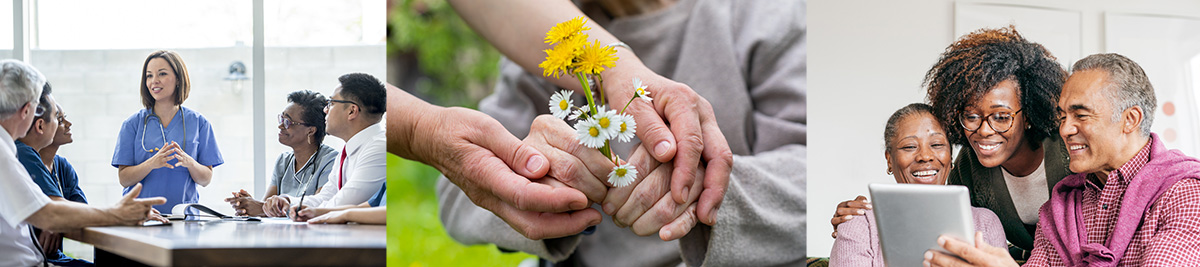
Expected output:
(996, 91)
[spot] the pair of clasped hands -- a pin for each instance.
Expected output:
(168, 152)
(543, 186)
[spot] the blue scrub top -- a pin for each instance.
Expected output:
(68, 180)
(37, 171)
(142, 132)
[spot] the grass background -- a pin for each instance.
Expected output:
(415, 234)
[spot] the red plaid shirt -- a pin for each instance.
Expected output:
(1169, 234)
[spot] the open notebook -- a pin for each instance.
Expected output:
(181, 212)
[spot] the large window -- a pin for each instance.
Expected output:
(130, 24)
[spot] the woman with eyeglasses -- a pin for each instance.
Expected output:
(997, 92)
(166, 147)
(304, 169)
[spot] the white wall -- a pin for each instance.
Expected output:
(868, 58)
(98, 90)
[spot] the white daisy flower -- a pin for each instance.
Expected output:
(561, 104)
(606, 119)
(575, 114)
(626, 127)
(590, 134)
(640, 90)
(622, 175)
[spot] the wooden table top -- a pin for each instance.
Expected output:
(272, 242)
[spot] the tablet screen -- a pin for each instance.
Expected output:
(910, 217)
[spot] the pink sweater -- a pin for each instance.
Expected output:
(857, 241)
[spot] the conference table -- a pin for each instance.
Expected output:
(239, 243)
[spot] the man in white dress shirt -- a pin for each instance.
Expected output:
(353, 114)
(22, 203)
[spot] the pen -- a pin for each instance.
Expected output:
(298, 206)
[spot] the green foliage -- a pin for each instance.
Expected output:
(415, 234)
(461, 65)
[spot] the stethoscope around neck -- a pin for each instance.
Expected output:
(161, 129)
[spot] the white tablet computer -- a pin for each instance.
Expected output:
(910, 217)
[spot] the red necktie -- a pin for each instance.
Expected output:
(342, 170)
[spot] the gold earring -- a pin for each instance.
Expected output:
(889, 171)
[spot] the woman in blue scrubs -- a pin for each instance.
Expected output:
(166, 147)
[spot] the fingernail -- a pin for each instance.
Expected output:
(535, 162)
(578, 205)
(609, 208)
(941, 241)
(685, 193)
(868, 201)
(860, 212)
(661, 148)
(928, 256)
(869, 206)
(847, 217)
(667, 233)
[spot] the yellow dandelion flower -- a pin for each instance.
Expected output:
(560, 58)
(594, 58)
(565, 30)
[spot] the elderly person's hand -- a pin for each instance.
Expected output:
(571, 163)
(678, 125)
(981, 254)
(132, 210)
(490, 165)
(645, 205)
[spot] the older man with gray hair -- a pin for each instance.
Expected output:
(22, 203)
(1131, 201)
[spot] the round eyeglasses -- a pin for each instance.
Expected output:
(1000, 122)
(288, 122)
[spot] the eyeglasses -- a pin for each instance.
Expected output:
(329, 103)
(1000, 122)
(288, 122)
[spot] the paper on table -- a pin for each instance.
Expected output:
(280, 220)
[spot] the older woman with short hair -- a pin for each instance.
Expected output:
(917, 152)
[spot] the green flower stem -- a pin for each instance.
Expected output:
(592, 105)
(627, 103)
(600, 87)
(606, 150)
(587, 92)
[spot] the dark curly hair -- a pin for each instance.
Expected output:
(974, 64)
(312, 106)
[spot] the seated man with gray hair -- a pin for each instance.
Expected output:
(1131, 201)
